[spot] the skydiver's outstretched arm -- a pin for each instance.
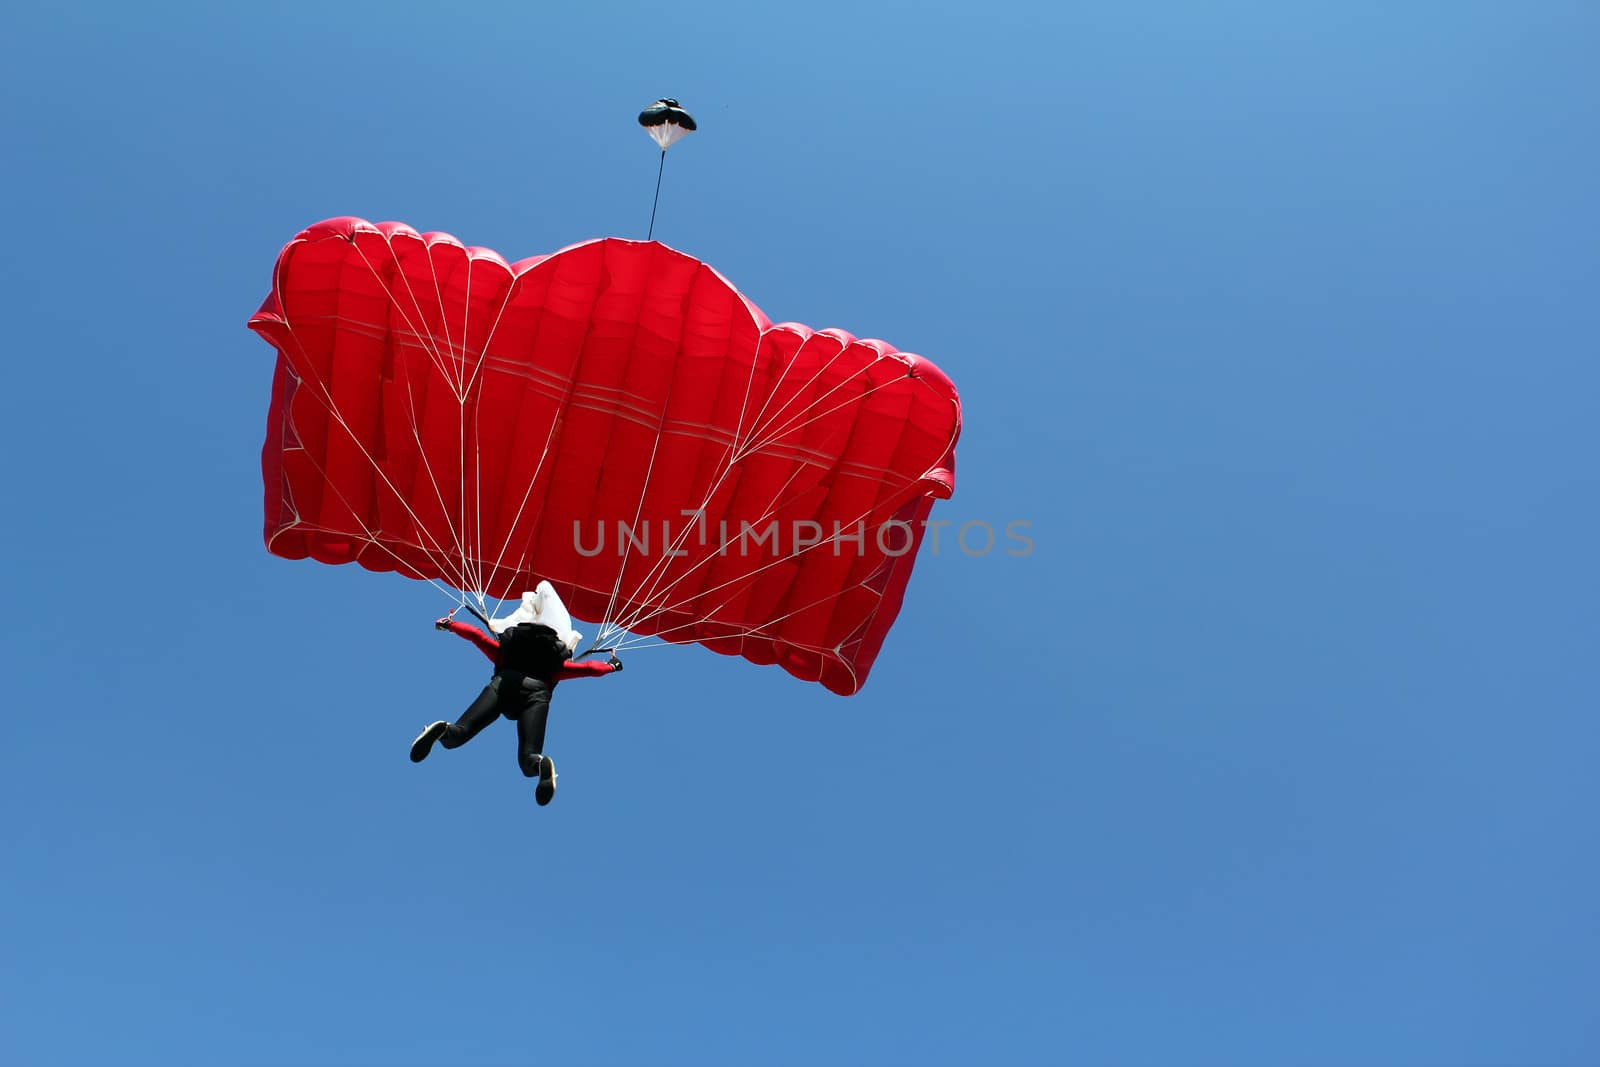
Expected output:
(482, 641)
(589, 668)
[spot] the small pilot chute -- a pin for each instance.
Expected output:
(666, 122)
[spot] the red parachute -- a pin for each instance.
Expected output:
(616, 418)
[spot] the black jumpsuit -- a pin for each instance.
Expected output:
(529, 657)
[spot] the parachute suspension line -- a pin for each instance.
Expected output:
(365, 529)
(521, 506)
(470, 386)
(556, 425)
(467, 390)
(738, 585)
(634, 643)
(468, 561)
(797, 421)
(783, 376)
(465, 579)
(321, 393)
(645, 609)
(650, 467)
(425, 342)
(807, 421)
(424, 339)
(645, 612)
(462, 380)
(759, 428)
(475, 580)
(644, 492)
(734, 454)
(459, 531)
(657, 200)
(658, 570)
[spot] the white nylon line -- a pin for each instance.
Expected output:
(438, 554)
(642, 612)
(658, 569)
(483, 356)
(526, 494)
(908, 481)
(644, 491)
(427, 346)
(444, 318)
(453, 378)
(819, 458)
(643, 597)
(652, 575)
(425, 338)
(725, 465)
(415, 426)
(777, 383)
(477, 423)
(835, 654)
(435, 554)
(803, 390)
(473, 556)
(807, 420)
(735, 633)
(556, 423)
(325, 397)
(461, 404)
(747, 577)
(460, 533)
(412, 415)
(404, 333)
(655, 447)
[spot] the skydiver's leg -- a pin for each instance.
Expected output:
(531, 724)
(530, 739)
(479, 714)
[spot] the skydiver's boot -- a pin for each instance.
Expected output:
(424, 742)
(545, 791)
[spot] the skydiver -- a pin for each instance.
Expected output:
(529, 659)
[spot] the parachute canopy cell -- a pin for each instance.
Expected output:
(616, 418)
(666, 122)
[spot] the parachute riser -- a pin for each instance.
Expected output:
(476, 614)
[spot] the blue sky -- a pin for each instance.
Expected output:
(1275, 321)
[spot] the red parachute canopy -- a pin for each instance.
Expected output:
(616, 418)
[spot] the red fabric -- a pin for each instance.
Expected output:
(589, 668)
(480, 640)
(439, 412)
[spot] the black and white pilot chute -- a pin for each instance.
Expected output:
(666, 122)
